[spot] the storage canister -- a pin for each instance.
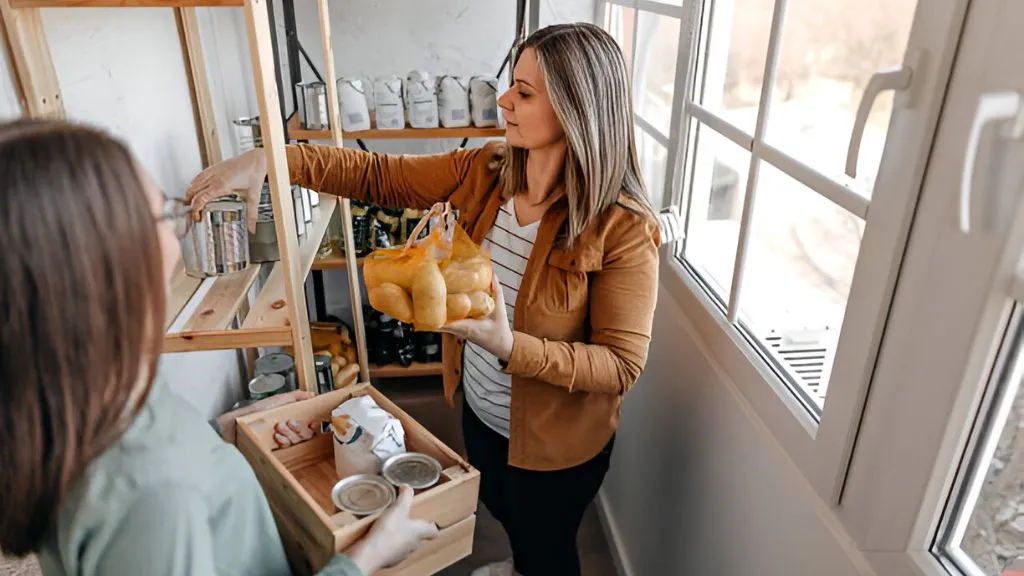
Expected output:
(313, 109)
(277, 363)
(219, 242)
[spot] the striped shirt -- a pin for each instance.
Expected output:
(489, 390)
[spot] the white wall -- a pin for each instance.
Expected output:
(698, 487)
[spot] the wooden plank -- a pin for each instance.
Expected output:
(222, 301)
(226, 339)
(272, 308)
(181, 290)
(198, 84)
(296, 132)
(265, 77)
(33, 66)
(354, 290)
(121, 3)
(451, 545)
(413, 370)
(333, 262)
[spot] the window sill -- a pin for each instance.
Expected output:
(767, 394)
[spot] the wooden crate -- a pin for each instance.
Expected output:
(298, 482)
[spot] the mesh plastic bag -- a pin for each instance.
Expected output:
(428, 283)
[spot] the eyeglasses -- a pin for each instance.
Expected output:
(180, 215)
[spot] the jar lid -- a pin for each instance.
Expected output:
(363, 494)
(266, 385)
(274, 363)
(416, 470)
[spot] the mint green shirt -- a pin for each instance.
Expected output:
(170, 498)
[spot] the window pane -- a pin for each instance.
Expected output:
(829, 52)
(799, 265)
(620, 22)
(718, 183)
(735, 61)
(653, 163)
(994, 534)
(654, 72)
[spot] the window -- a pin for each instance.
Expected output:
(744, 113)
(787, 96)
(984, 529)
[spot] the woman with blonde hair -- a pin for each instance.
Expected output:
(562, 210)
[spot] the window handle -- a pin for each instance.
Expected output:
(992, 107)
(897, 79)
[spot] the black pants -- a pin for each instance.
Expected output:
(540, 511)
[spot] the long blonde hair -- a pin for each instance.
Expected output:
(588, 85)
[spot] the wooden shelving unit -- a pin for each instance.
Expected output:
(334, 262)
(416, 369)
(215, 313)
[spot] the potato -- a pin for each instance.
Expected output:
(459, 306)
(346, 376)
(429, 297)
(481, 304)
(467, 276)
(392, 300)
(389, 265)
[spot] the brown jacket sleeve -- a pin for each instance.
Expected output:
(623, 295)
(391, 180)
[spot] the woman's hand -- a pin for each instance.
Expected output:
(242, 175)
(226, 422)
(393, 537)
(492, 332)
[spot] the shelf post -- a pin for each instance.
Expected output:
(34, 75)
(265, 76)
(346, 208)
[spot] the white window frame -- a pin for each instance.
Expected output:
(821, 448)
(893, 526)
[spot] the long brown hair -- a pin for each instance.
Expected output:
(588, 85)
(82, 301)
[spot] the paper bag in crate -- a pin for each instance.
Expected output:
(439, 279)
(365, 435)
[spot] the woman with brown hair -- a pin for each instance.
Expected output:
(103, 469)
(573, 239)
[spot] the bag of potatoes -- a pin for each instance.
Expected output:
(439, 279)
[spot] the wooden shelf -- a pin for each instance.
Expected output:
(333, 262)
(200, 312)
(121, 3)
(271, 308)
(296, 132)
(411, 371)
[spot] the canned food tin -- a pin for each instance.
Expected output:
(277, 363)
(266, 385)
(416, 470)
(363, 494)
(324, 375)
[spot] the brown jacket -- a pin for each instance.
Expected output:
(583, 316)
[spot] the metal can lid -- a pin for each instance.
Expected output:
(274, 363)
(363, 494)
(416, 470)
(265, 385)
